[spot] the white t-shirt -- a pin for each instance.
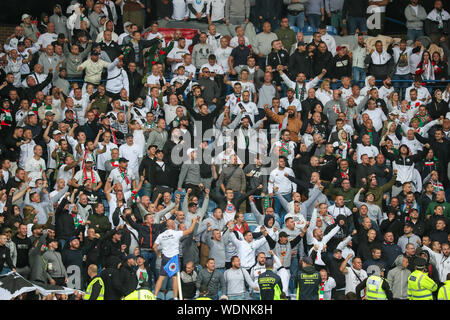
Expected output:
(65, 175)
(35, 168)
(151, 36)
(82, 175)
(351, 280)
(169, 242)
(132, 154)
(51, 163)
(222, 56)
(180, 10)
(177, 53)
(103, 157)
(116, 176)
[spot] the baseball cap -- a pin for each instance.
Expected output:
(420, 262)
(123, 160)
(49, 113)
(95, 53)
(25, 15)
(301, 43)
(130, 256)
(322, 26)
(339, 48)
(73, 238)
(57, 132)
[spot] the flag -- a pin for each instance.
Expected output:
(172, 266)
(13, 285)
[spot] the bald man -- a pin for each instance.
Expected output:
(169, 240)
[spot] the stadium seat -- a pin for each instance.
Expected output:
(295, 29)
(308, 30)
(332, 31)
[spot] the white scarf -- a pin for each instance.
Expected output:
(439, 17)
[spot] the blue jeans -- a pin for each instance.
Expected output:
(150, 258)
(354, 23)
(359, 76)
(238, 297)
(5, 270)
(413, 34)
(401, 86)
(221, 270)
(314, 20)
(293, 269)
(256, 295)
(147, 189)
(298, 20)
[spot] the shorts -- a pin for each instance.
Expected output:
(164, 261)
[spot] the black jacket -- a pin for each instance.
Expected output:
(340, 66)
(269, 282)
(308, 282)
(322, 61)
(433, 27)
(146, 165)
(147, 234)
(112, 50)
(354, 8)
(128, 279)
(158, 177)
(5, 257)
(64, 225)
(111, 278)
(30, 93)
(135, 84)
(268, 9)
(131, 57)
(437, 109)
(300, 62)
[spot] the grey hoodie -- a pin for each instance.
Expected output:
(73, 61)
(54, 262)
(398, 280)
(374, 211)
(413, 20)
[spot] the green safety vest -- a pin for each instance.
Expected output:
(101, 295)
(374, 289)
(420, 286)
(140, 294)
(444, 291)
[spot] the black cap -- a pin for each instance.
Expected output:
(420, 262)
(322, 26)
(128, 135)
(123, 160)
(95, 53)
